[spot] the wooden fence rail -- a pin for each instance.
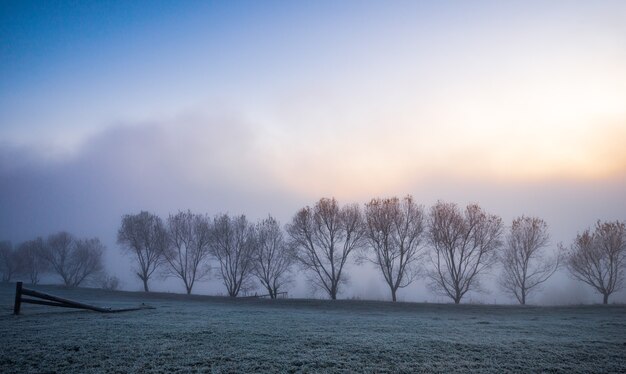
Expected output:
(279, 295)
(51, 300)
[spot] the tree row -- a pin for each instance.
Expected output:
(449, 246)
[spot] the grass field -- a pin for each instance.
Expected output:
(215, 334)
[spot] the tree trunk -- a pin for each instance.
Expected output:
(606, 299)
(523, 301)
(393, 295)
(145, 285)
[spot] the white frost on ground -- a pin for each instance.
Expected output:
(212, 334)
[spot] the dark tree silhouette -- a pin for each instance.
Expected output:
(463, 245)
(232, 244)
(8, 261)
(597, 258)
(323, 238)
(188, 248)
(108, 282)
(394, 231)
(30, 256)
(525, 264)
(273, 257)
(144, 236)
(73, 260)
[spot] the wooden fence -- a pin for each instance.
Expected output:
(41, 298)
(279, 295)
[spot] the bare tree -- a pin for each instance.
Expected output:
(30, 259)
(58, 251)
(525, 264)
(73, 260)
(86, 260)
(394, 230)
(8, 261)
(323, 238)
(597, 258)
(108, 282)
(273, 257)
(232, 245)
(464, 245)
(188, 251)
(144, 236)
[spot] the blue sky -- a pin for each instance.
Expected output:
(263, 107)
(71, 69)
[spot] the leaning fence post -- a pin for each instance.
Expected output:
(18, 298)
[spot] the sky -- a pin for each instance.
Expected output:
(108, 108)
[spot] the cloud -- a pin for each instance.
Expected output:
(228, 164)
(202, 165)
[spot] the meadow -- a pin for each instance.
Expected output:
(219, 335)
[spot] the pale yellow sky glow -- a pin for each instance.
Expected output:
(565, 121)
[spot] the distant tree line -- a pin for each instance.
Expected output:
(449, 246)
(74, 261)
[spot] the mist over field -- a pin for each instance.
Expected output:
(153, 167)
